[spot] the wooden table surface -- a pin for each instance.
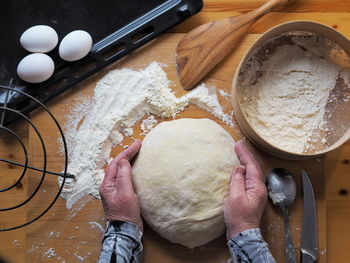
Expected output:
(17, 247)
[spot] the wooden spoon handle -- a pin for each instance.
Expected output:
(264, 9)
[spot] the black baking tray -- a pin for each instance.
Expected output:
(116, 26)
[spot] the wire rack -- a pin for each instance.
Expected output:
(6, 109)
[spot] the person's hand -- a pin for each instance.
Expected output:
(247, 198)
(119, 199)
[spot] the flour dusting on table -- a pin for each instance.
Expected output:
(121, 98)
(147, 124)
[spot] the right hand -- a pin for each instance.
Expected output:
(247, 198)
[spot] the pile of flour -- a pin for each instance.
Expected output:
(121, 98)
(286, 104)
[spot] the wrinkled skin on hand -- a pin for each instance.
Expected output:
(247, 198)
(119, 199)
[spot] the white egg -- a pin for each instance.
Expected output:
(75, 45)
(35, 68)
(39, 39)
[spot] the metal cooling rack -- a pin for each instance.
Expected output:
(5, 108)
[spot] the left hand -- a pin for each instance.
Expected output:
(119, 199)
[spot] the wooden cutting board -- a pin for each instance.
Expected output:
(75, 235)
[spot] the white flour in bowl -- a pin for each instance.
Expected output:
(285, 95)
(122, 98)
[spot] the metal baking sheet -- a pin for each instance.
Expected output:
(116, 26)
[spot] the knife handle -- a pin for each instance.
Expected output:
(306, 258)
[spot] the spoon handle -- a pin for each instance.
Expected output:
(263, 10)
(290, 253)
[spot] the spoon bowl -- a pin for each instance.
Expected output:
(281, 187)
(282, 190)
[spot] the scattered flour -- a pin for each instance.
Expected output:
(323, 251)
(50, 253)
(147, 124)
(97, 225)
(79, 204)
(54, 234)
(81, 258)
(223, 93)
(286, 104)
(121, 98)
(277, 197)
(72, 121)
(15, 242)
(32, 249)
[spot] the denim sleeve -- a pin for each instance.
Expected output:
(121, 243)
(249, 246)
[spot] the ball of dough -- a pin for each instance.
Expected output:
(181, 176)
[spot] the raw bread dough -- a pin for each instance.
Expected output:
(181, 177)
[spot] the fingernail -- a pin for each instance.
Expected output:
(240, 169)
(122, 163)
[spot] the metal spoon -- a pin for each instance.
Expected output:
(281, 188)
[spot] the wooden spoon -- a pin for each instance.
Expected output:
(201, 49)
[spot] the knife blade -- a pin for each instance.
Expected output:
(308, 247)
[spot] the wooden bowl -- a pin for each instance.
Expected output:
(338, 122)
